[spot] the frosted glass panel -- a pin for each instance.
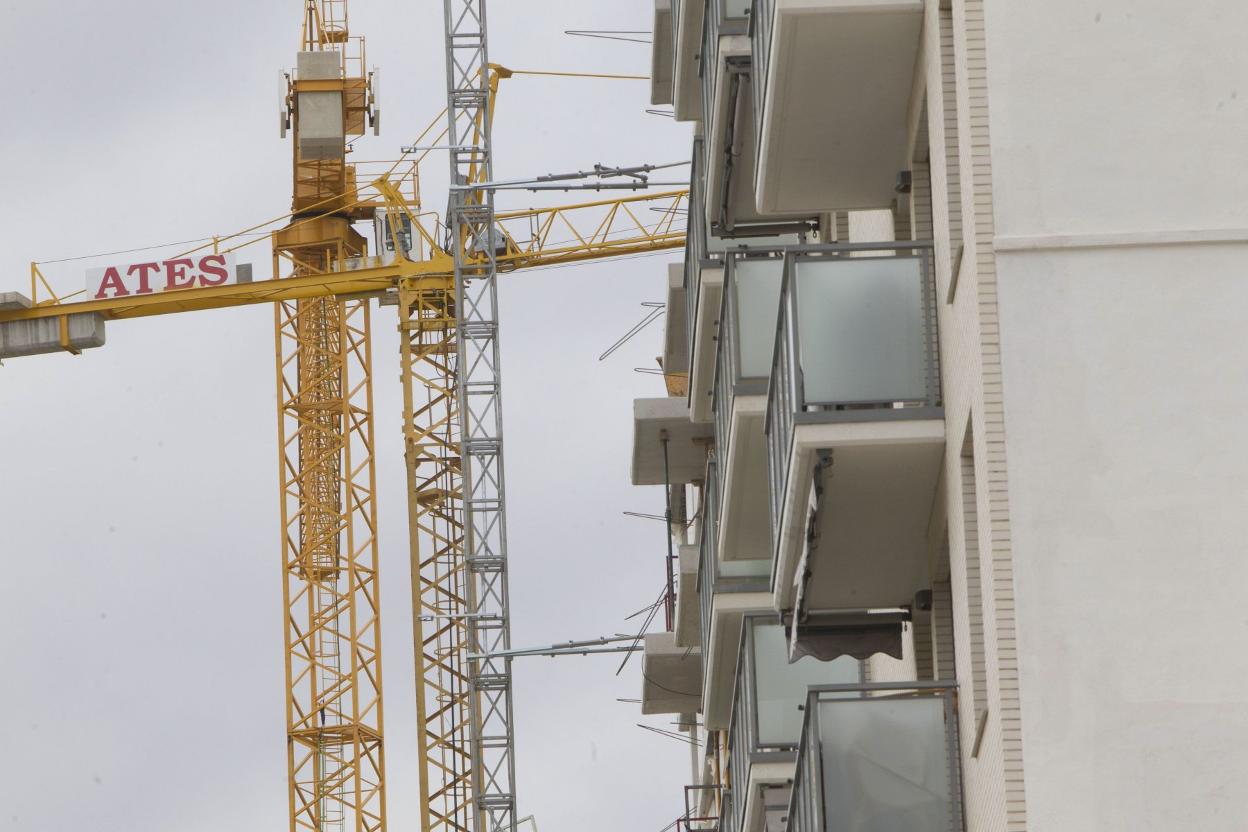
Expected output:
(746, 568)
(885, 766)
(736, 8)
(758, 306)
(861, 329)
(781, 687)
(718, 245)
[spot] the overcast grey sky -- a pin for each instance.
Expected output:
(141, 629)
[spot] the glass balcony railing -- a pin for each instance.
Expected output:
(722, 18)
(747, 327)
(702, 809)
(766, 721)
(704, 248)
(676, 10)
(878, 757)
(714, 577)
(856, 340)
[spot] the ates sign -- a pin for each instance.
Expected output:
(163, 276)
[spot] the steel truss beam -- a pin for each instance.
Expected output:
(335, 752)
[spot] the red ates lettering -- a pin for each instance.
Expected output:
(176, 276)
(213, 264)
(144, 270)
(181, 273)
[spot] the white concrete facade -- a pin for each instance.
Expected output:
(1079, 170)
(1120, 239)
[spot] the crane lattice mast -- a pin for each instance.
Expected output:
(335, 752)
(457, 508)
(322, 286)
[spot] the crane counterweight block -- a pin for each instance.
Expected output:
(41, 336)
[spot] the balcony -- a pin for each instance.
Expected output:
(726, 593)
(662, 54)
(687, 16)
(730, 131)
(766, 722)
(668, 449)
(855, 428)
(725, 49)
(676, 334)
(704, 279)
(750, 301)
(878, 757)
(671, 676)
(688, 614)
(728, 116)
(858, 61)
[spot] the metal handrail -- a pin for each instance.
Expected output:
(721, 395)
(675, 27)
(691, 820)
(716, 22)
(761, 25)
(706, 557)
(807, 807)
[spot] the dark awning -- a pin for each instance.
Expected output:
(829, 635)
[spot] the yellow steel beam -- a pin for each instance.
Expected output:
(438, 269)
(533, 238)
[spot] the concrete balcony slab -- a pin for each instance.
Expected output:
(857, 59)
(655, 419)
(671, 676)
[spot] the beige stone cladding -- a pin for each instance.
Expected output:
(979, 584)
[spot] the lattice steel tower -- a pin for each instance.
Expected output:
(474, 245)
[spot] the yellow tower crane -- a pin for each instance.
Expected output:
(322, 286)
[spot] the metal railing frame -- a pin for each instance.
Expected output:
(729, 382)
(807, 811)
(761, 30)
(744, 748)
(691, 820)
(696, 254)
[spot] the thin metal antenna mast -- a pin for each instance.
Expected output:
(471, 223)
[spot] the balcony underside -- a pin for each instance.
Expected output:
(723, 645)
(745, 528)
(869, 549)
(671, 676)
(767, 797)
(856, 59)
(706, 330)
(676, 329)
(686, 443)
(688, 616)
(661, 58)
(686, 85)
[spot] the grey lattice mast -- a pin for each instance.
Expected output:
(471, 222)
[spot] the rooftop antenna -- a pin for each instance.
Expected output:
(657, 310)
(626, 35)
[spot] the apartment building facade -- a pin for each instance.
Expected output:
(952, 436)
